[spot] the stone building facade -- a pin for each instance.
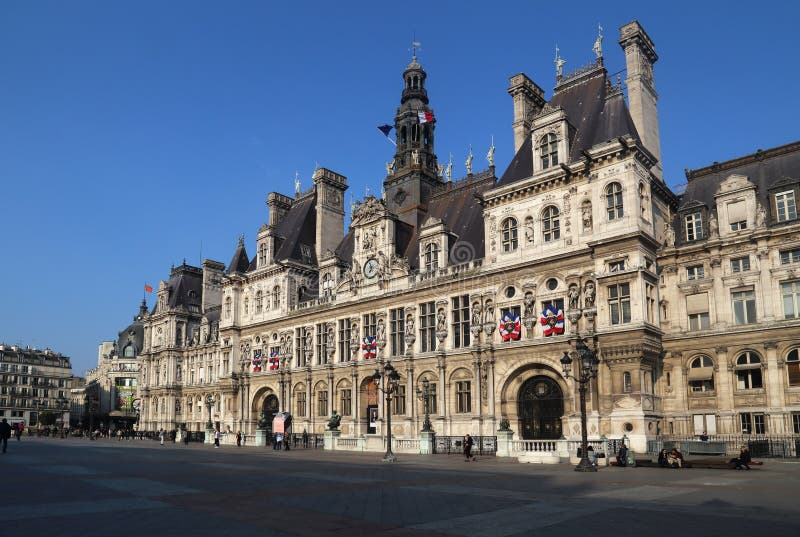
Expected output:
(579, 238)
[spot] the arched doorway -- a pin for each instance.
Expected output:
(541, 406)
(270, 408)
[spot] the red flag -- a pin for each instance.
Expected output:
(148, 289)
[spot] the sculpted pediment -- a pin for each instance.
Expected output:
(370, 209)
(734, 183)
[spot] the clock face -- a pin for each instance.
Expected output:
(371, 268)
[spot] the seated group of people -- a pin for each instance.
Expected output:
(670, 459)
(743, 461)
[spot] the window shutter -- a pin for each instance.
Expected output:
(737, 212)
(697, 303)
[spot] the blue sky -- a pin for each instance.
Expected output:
(135, 134)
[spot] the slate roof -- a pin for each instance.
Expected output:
(593, 106)
(298, 226)
(239, 262)
(186, 288)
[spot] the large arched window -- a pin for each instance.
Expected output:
(793, 367)
(701, 374)
(551, 229)
(259, 302)
(128, 351)
(548, 151)
(627, 384)
(228, 308)
(748, 371)
(510, 235)
(431, 257)
(614, 201)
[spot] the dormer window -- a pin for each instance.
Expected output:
(327, 285)
(510, 235)
(548, 151)
(694, 226)
(785, 206)
(737, 215)
(614, 201)
(431, 257)
(259, 301)
(305, 253)
(262, 254)
(550, 224)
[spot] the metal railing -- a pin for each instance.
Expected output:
(759, 445)
(454, 445)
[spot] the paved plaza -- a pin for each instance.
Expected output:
(78, 487)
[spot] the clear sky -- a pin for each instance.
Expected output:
(136, 134)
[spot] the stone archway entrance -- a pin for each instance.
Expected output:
(541, 407)
(270, 407)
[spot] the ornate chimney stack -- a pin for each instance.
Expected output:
(528, 101)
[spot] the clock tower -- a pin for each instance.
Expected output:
(414, 172)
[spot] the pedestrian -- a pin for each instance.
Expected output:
(744, 460)
(286, 441)
(663, 458)
(5, 433)
(161, 436)
(216, 438)
(20, 430)
(276, 444)
(305, 439)
(239, 439)
(622, 456)
(468, 443)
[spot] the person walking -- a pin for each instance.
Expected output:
(20, 430)
(305, 438)
(186, 438)
(161, 436)
(216, 438)
(239, 439)
(468, 443)
(5, 433)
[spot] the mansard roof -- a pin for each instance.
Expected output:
(298, 226)
(594, 107)
(185, 286)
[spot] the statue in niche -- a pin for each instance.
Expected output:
(309, 339)
(761, 216)
(669, 235)
(381, 331)
(331, 337)
(588, 295)
(441, 320)
(390, 168)
(574, 295)
(528, 303)
(586, 215)
(713, 227)
(488, 313)
(415, 157)
(529, 229)
(409, 325)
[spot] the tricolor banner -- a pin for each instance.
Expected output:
(552, 321)
(425, 117)
(510, 327)
(256, 361)
(368, 347)
(274, 361)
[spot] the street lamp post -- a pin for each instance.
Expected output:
(209, 403)
(424, 395)
(587, 364)
(391, 382)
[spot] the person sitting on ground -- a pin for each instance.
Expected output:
(622, 456)
(675, 458)
(744, 460)
(663, 458)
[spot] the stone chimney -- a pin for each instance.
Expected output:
(640, 55)
(528, 101)
(212, 284)
(330, 187)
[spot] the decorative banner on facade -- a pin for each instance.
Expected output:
(510, 327)
(256, 362)
(369, 347)
(552, 321)
(274, 361)
(126, 393)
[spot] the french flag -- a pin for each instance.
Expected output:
(425, 117)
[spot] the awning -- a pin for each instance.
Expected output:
(697, 303)
(701, 373)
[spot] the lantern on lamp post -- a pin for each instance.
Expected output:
(586, 363)
(388, 382)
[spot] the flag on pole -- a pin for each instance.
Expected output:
(386, 129)
(425, 117)
(148, 289)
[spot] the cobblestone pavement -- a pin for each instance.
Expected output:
(78, 487)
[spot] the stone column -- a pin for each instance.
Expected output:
(441, 394)
(489, 364)
(773, 382)
(309, 403)
(357, 429)
(724, 385)
(331, 393)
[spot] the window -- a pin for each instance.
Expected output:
(262, 254)
(619, 303)
(705, 424)
(347, 402)
(753, 423)
(509, 228)
(790, 256)
(276, 297)
(650, 302)
(228, 307)
(793, 367)
(327, 285)
(744, 306)
(460, 321)
(427, 326)
(614, 201)
(370, 323)
(344, 340)
(737, 215)
(699, 321)
(695, 272)
(259, 301)
(616, 266)
(548, 151)
(791, 299)
(301, 404)
(463, 397)
(397, 331)
(322, 343)
(246, 305)
(701, 374)
(694, 226)
(299, 347)
(796, 422)
(748, 371)
(627, 385)
(432, 257)
(550, 224)
(740, 264)
(399, 401)
(322, 403)
(433, 407)
(785, 206)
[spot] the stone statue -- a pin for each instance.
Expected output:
(468, 163)
(490, 155)
(761, 216)
(505, 425)
(448, 171)
(390, 168)
(309, 339)
(439, 170)
(529, 229)
(588, 295)
(669, 235)
(263, 422)
(528, 303)
(331, 337)
(574, 295)
(380, 336)
(559, 61)
(415, 157)
(334, 421)
(598, 43)
(476, 311)
(409, 324)
(488, 313)
(713, 227)
(441, 320)
(586, 215)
